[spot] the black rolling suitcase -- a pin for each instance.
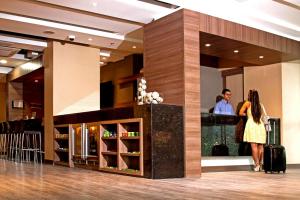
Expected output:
(274, 156)
(221, 149)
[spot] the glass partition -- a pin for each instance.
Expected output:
(220, 129)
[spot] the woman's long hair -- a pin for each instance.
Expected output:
(255, 106)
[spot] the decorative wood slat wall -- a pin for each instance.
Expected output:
(172, 67)
(192, 93)
(224, 28)
(163, 58)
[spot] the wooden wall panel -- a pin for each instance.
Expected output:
(224, 28)
(48, 101)
(3, 99)
(172, 67)
(14, 92)
(163, 58)
(192, 93)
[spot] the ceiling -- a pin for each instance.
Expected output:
(224, 53)
(115, 26)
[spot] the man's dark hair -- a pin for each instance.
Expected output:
(225, 90)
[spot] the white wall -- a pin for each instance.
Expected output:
(235, 84)
(211, 86)
(291, 111)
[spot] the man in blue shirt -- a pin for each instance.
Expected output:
(223, 107)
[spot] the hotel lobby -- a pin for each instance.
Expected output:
(113, 99)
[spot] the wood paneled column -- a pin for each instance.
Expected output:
(172, 67)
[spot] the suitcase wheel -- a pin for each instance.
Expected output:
(283, 171)
(266, 171)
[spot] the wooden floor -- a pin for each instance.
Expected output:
(27, 181)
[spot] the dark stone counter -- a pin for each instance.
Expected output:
(163, 140)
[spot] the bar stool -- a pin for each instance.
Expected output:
(31, 142)
(5, 131)
(2, 141)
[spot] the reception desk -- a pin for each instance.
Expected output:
(212, 126)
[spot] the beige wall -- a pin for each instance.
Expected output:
(72, 77)
(267, 80)
(291, 111)
(76, 78)
(115, 71)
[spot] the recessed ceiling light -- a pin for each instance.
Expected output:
(104, 58)
(90, 39)
(261, 57)
(134, 47)
(3, 61)
(36, 81)
(207, 45)
(94, 4)
(235, 51)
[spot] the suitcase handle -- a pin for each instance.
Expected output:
(274, 125)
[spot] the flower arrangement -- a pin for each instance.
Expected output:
(147, 98)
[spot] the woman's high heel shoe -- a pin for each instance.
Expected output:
(257, 168)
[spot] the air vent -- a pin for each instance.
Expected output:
(8, 51)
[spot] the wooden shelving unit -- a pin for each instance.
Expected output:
(122, 151)
(117, 145)
(62, 145)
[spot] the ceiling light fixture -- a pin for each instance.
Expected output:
(30, 66)
(134, 47)
(101, 63)
(235, 51)
(3, 61)
(103, 58)
(35, 53)
(5, 70)
(23, 41)
(57, 25)
(94, 4)
(261, 57)
(105, 53)
(90, 39)
(207, 45)
(36, 81)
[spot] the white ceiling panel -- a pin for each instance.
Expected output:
(42, 11)
(266, 15)
(132, 10)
